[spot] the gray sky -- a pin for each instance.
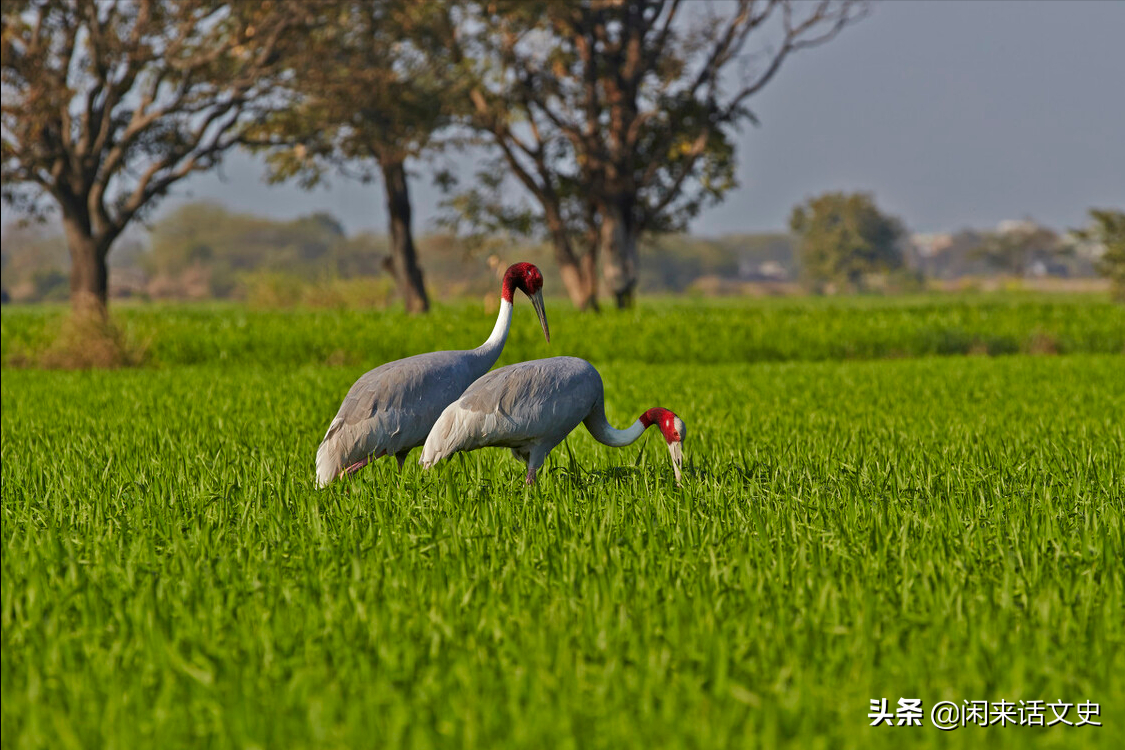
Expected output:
(954, 114)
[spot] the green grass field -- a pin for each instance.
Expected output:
(857, 521)
(693, 331)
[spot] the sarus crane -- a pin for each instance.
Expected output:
(531, 407)
(391, 409)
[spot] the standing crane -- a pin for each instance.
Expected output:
(391, 409)
(531, 407)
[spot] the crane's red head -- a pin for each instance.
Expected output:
(527, 278)
(674, 431)
(671, 427)
(523, 276)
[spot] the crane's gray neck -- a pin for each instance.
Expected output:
(607, 434)
(488, 352)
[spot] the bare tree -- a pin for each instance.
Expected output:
(565, 216)
(108, 104)
(633, 102)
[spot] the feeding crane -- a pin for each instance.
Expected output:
(391, 409)
(531, 407)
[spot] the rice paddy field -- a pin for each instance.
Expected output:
(883, 499)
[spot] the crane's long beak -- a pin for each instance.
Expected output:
(537, 303)
(676, 448)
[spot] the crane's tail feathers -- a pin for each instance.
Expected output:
(327, 465)
(448, 435)
(347, 446)
(332, 454)
(431, 454)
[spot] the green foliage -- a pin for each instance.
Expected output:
(844, 238)
(1014, 250)
(1107, 228)
(939, 528)
(228, 246)
(374, 86)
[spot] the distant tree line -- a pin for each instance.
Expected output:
(203, 251)
(603, 127)
(841, 243)
(615, 116)
(845, 241)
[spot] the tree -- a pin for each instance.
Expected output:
(1014, 248)
(1107, 228)
(374, 89)
(108, 104)
(843, 237)
(620, 113)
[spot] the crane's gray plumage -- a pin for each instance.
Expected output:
(391, 409)
(530, 408)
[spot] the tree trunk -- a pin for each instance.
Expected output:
(404, 257)
(589, 267)
(619, 244)
(89, 276)
(576, 281)
(579, 275)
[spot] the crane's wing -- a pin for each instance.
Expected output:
(391, 409)
(516, 406)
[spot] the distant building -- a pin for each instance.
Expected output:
(1018, 226)
(929, 245)
(767, 270)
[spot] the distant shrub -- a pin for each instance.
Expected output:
(81, 342)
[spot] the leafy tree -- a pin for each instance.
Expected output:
(1014, 249)
(843, 237)
(618, 115)
(373, 89)
(108, 104)
(1107, 228)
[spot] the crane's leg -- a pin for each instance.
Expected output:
(401, 458)
(360, 464)
(526, 457)
(357, 466)
(535, 458)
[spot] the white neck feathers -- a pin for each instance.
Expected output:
(490, 350)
